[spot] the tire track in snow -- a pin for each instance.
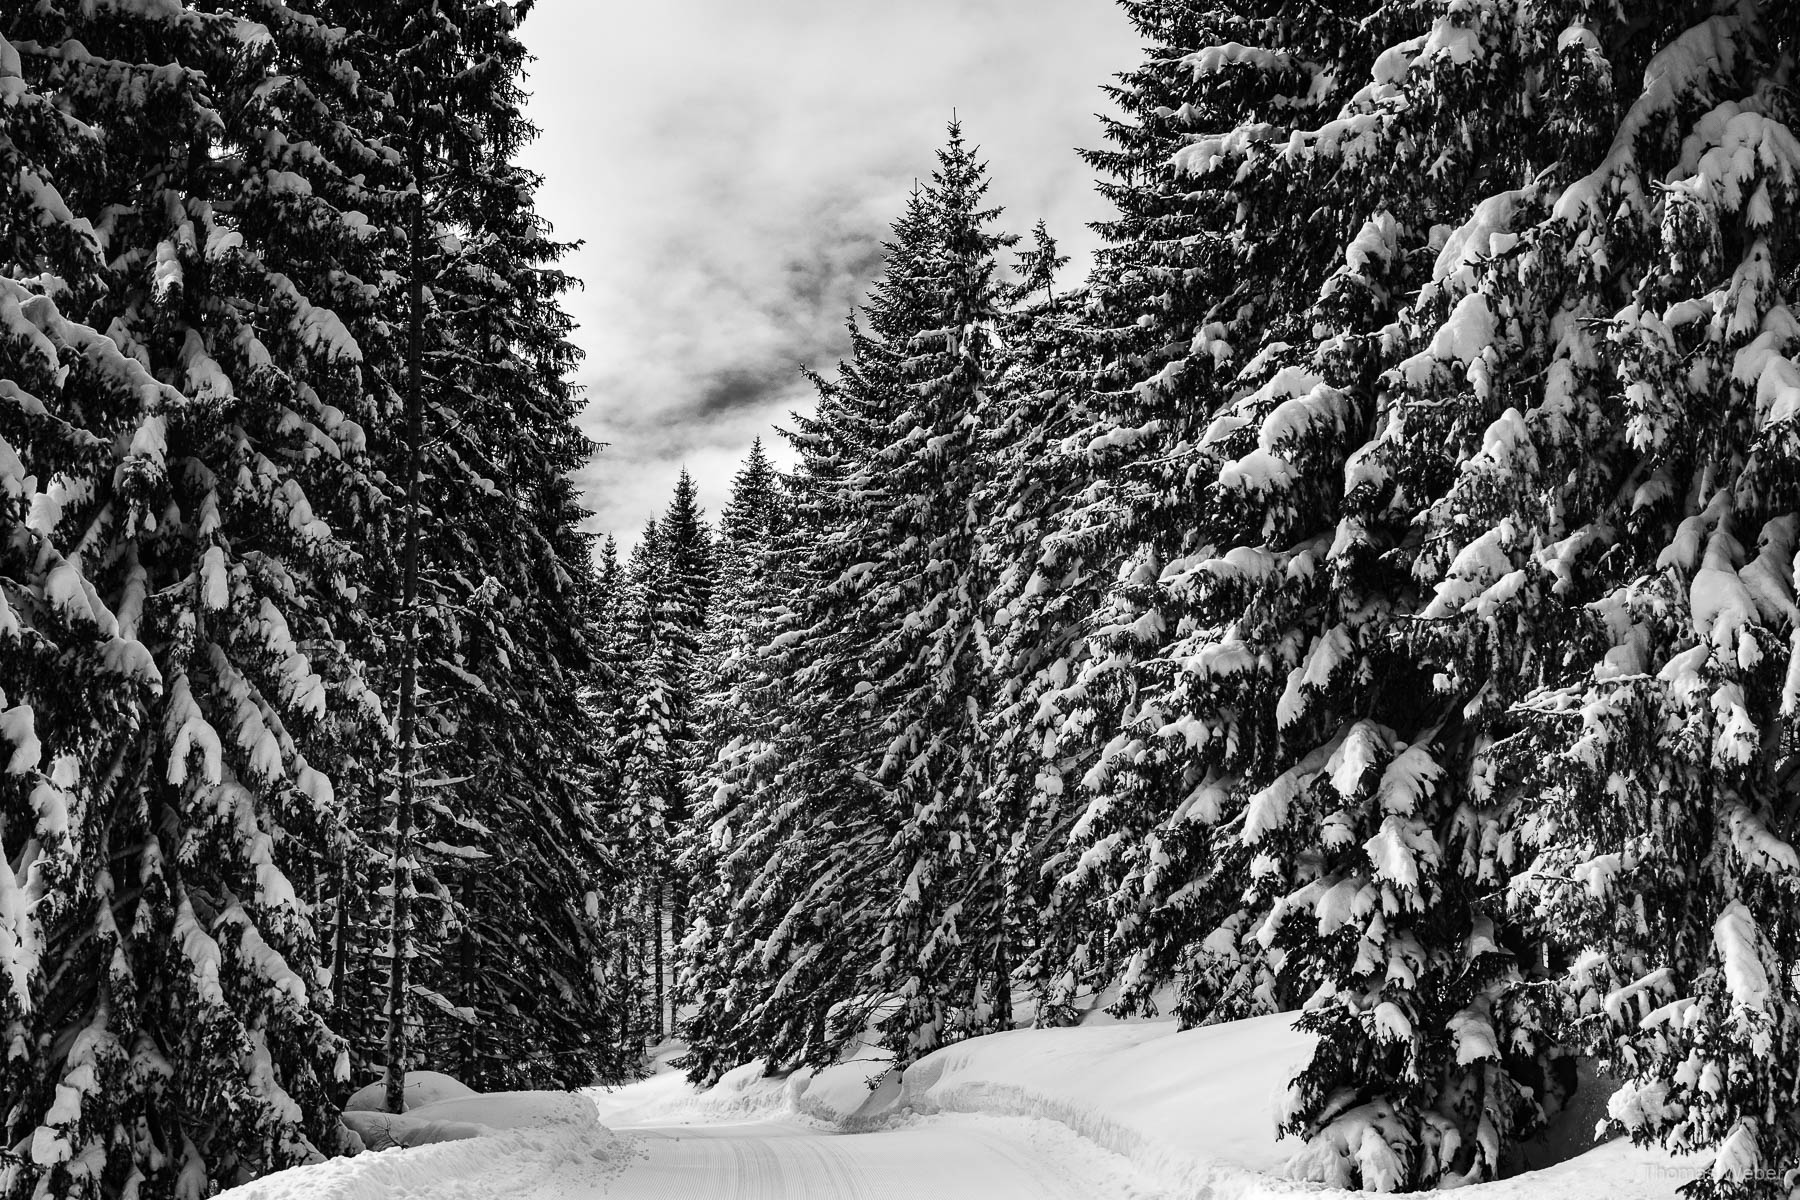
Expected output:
(937, 1159)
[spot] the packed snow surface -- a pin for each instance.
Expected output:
(1104, 1111)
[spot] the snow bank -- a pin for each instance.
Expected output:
(473, 1116)
(851, 1094)
(422, 1087)
(854, 1094)
(1195, 1109)
(743, 1094)
(467, 1147)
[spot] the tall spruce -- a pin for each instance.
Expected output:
(923, 578)
(498, 634)
(737, 720)
(174, 384)
(1598, 377)
(1431, 599)
(1283, 797)
(763, 967)
(865, 888)
(1046, 581)
(681, 607)
(1144, 364)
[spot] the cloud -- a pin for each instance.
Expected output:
(732, 170)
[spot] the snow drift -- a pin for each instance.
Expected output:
(468, 1147)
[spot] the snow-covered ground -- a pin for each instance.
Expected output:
(1099, 1112)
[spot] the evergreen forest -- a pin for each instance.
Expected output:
(1367, 594)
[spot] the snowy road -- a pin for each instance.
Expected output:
(961, 1159)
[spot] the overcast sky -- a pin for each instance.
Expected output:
(733, 165)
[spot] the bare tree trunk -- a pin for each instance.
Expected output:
(401, 930)
(340, 939)
(627, 1021)
(1003, 1008)
(466, 979)
(656, 919)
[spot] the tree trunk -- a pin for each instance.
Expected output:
(400, 938)
(627, 944)
(471, 1038)
(1003, 1010)
(656, 931)
(340, 945)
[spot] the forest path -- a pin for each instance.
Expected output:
(939, 1158)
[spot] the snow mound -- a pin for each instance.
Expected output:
(473, 1116)
(473, 1147)
(391, 1131)
(515, 1110)
(852, 1094)
(422, 1087)
(1195, 1110)
(744, 1093)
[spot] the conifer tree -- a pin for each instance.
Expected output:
(1417, 512)
(1046, 584)
(674, 584)
(644, 752)
(1037, 267)
(738, 718)
(1596, 387)
(176, 699)
(923, 584)
(1255, 748)
(765, 964)
(605, 697)
(1148, 357)
(496, 632)
(861, 860)
(684, 614)
(778, 966)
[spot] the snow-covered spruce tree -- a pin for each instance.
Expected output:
(642, 760)
(777, 923)
(672, 584)
(691, 561)
(1148, 357)
(736, 717)
(781, 970)
(1045, 585)
(320, 189)
(1600, 322)
(1288, 736)
(855, 845)
(605, 694)
(517, 640)
(644, 752)
(175, 699)
(921, 582)
(1598, 400)
(484, 592)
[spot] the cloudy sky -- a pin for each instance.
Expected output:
(733, 165)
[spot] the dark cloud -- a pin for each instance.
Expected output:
(740, 387)
(733, 169)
